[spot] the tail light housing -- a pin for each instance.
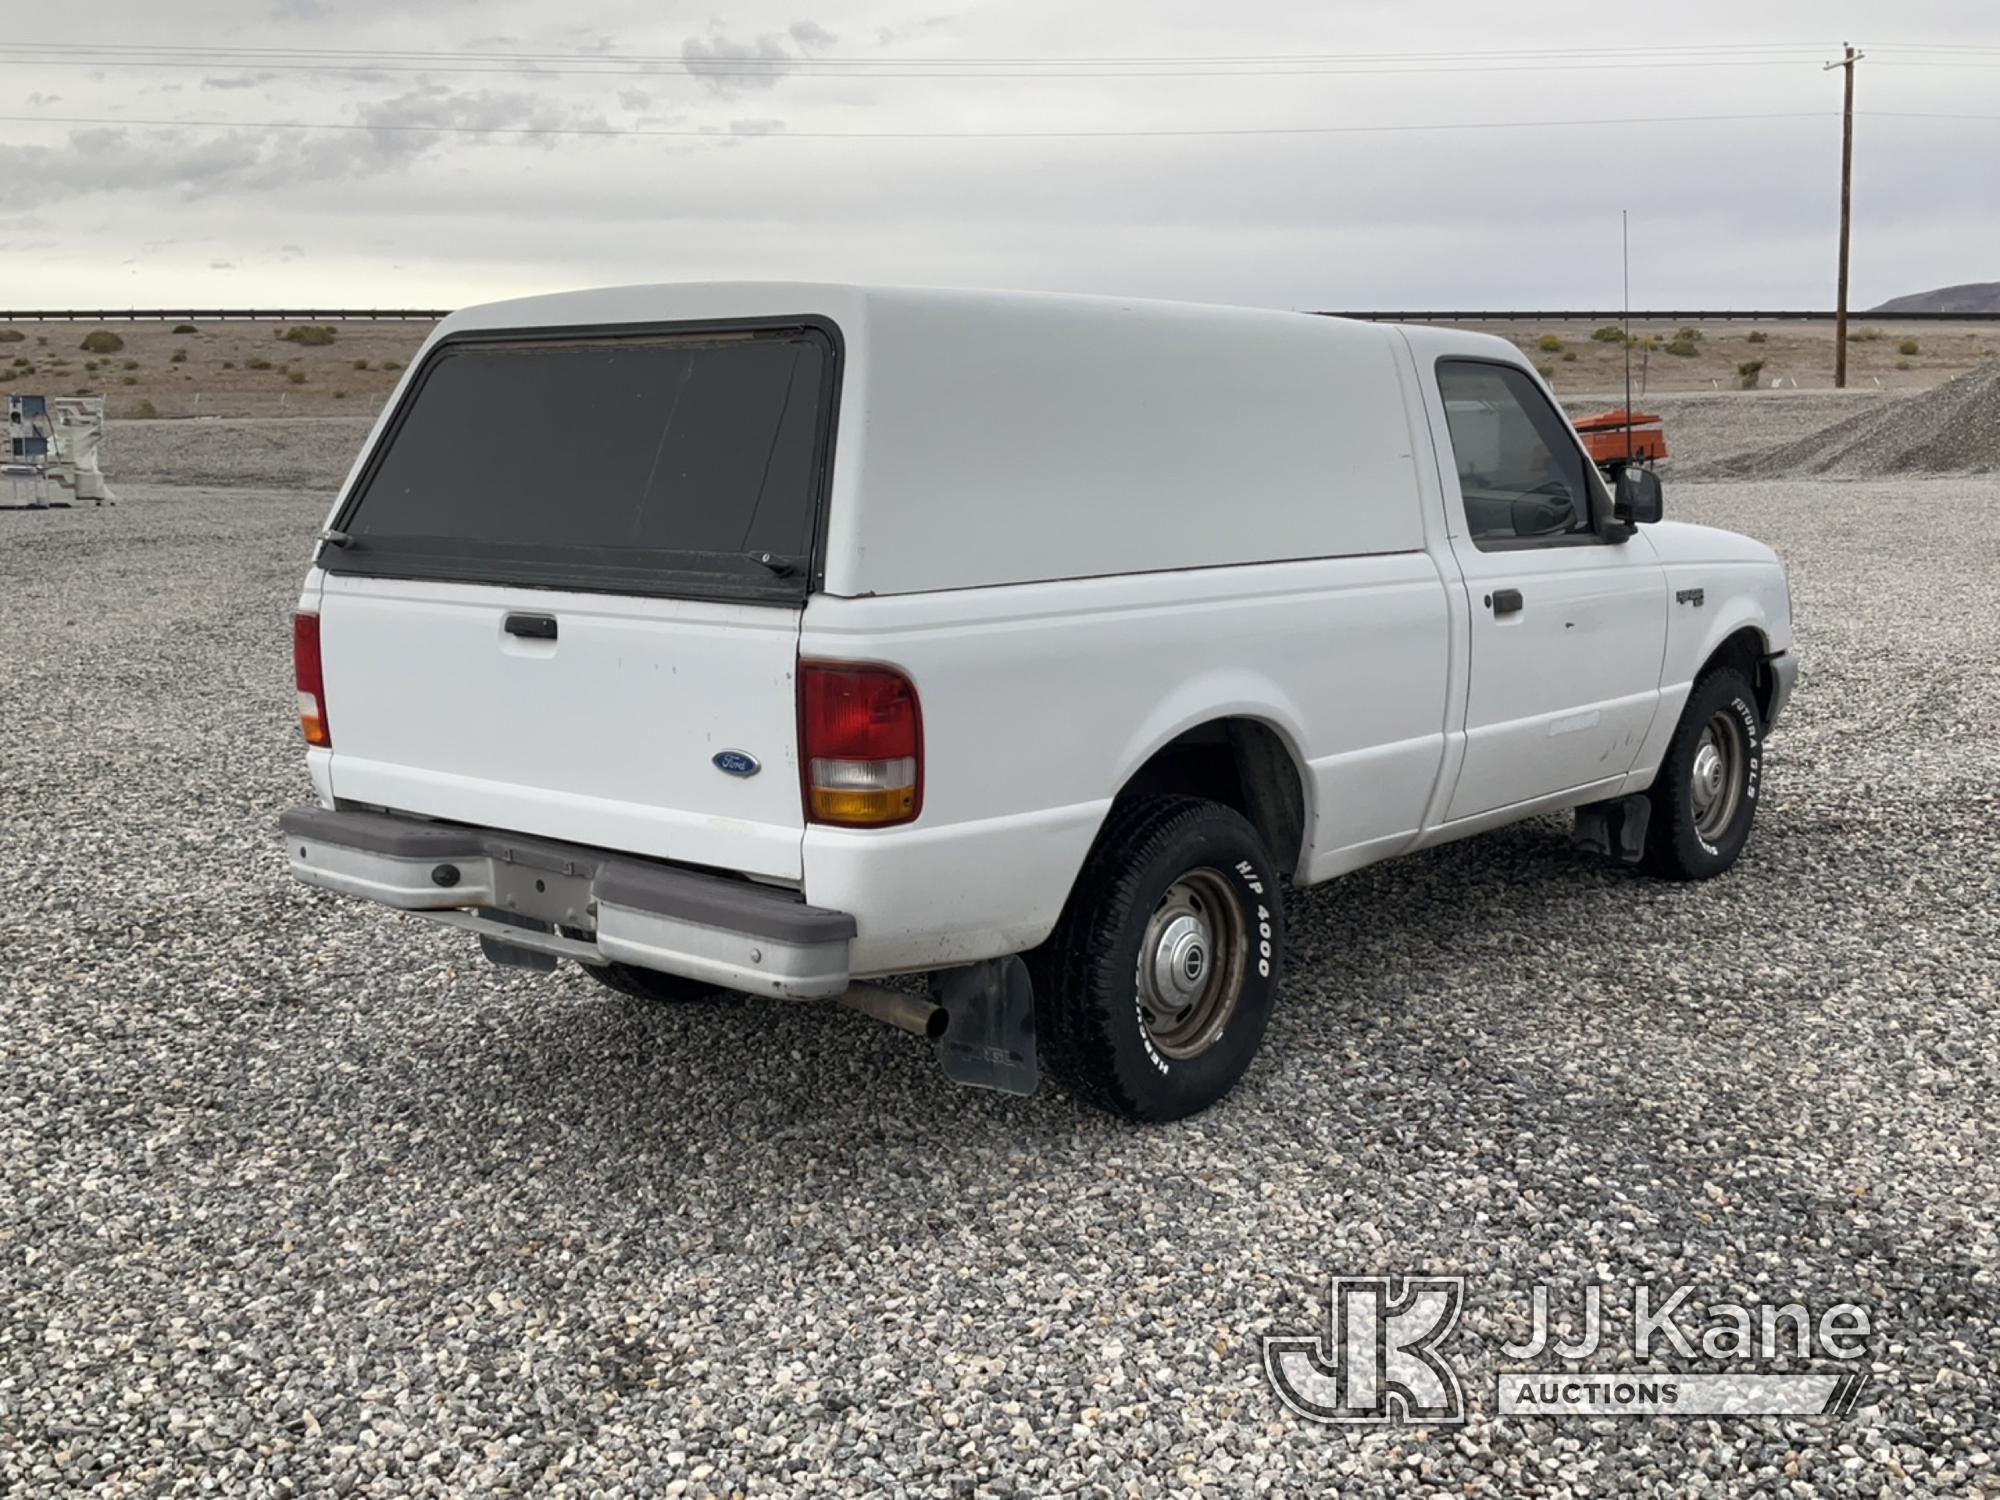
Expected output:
(861, 744)
(310, 680)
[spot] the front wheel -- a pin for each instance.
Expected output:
(1705, 796)
(1152, 993)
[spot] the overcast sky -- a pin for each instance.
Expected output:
(1725, 212)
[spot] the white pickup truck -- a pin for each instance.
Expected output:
(782, 638)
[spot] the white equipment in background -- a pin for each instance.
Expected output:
(52, 451)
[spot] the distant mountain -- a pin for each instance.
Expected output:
(1974, 296)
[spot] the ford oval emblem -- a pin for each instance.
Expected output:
(737, 763)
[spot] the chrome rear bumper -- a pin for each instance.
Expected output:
(576, 902)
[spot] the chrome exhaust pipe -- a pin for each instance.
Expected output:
(917, 1014)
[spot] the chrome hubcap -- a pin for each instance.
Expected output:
(1191, 964)
(1716, 780)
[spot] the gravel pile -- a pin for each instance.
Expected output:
(301, 1197)
(1951, 429)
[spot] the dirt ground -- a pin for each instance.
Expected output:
(252, 370)
(229, 369)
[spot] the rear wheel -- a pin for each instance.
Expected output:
(1152, 993)
(1705, 797)
(648, 984)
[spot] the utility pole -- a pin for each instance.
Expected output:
(1846, 212)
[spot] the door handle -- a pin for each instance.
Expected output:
(1504, 601)
(531, 627)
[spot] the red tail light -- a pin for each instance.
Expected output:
(861, 745)
(311, 685)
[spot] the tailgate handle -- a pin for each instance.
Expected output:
(532, 627)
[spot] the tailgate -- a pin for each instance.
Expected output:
(605, 735)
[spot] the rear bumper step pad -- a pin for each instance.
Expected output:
(593, 905)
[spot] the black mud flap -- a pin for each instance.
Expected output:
(513, 955)
(1614, 829)
(989, 1035)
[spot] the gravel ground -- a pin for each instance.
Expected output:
(307, 453)
(302, 1196)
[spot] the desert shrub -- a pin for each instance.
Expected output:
(1610, 333)
(390, 364)
(1687, 336)
(229, 364)
(1684, 347)
(1569, 356)
(257, 364)
(1649, 343)
(1908, 346)
(1757, 336)
(361, 364)
(1747, 373)
(41, 340)
(90, 365)
(1547, 372)
(128, 364)
(1863, 335)
(178, 357)
(340, 395)
(296, 377)
(186, 328)
(1548, 343)
(128, 379)
(1905, 364)
(310, 335)
(14, 336)
(145, 409)
(103, 341)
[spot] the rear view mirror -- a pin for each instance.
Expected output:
(1637, 501)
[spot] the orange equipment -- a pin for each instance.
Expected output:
(1604, 437)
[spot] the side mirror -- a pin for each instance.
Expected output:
(1637, 499)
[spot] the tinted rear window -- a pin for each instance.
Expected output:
(649, 465)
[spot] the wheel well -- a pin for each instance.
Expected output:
(1240, 763)
(1745, 651)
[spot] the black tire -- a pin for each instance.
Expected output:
(1160, 864)
(649, 984)
(1687, 837)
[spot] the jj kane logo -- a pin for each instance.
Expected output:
(1378, 1359)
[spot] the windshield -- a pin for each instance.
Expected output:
(650, 465)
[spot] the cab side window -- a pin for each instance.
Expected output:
(1524, 477)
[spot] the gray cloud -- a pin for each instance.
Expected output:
(110, 159)
(811, 36)
(730, 67)
(238, 80)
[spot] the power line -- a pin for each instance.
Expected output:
(804, 60)
(930, 135)
(799, 69)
